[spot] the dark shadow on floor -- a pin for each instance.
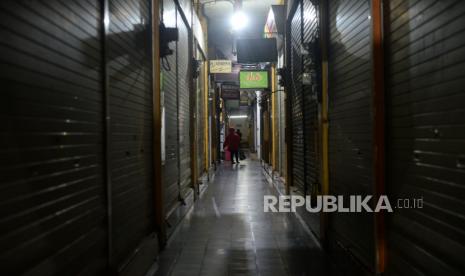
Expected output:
(228, 233)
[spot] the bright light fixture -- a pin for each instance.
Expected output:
(239, 20)
(238, 116)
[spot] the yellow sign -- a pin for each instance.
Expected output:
(220, 66)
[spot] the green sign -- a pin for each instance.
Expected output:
(253, 79)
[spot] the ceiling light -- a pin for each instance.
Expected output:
(239, 20)
(238, 116)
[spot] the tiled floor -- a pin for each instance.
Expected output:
(227, 233)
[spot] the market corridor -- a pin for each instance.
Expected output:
(121, 118)
(227, 232)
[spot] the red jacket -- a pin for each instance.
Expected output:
(232, 140)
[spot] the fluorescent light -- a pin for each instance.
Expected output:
(239, 20)
(238, 116)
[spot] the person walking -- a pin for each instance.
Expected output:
(238, 132)
(241, 153)
(232, 141)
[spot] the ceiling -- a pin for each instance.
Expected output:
(219, 13)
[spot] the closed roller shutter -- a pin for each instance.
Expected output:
(281, 105)
(281, 132)
(350, 124)
(131, 113)
(184, 107)
(297, 117)
(265, 126)
(170, 102)
(426, 122)
(52, 215)
(311, 65)
(200, 118)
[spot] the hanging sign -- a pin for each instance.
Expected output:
(253, 79)
(220, 66)
(230, 92)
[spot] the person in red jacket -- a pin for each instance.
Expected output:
(232, 142)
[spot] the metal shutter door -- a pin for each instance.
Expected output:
(200, 119)
(426, 122)
(131, 113)
(350, 124)
(170, 102)
(311, 64)
(298, 147)
(266, 130)
(52, 189)
(282, 131)
(281, 105)
(184, 107)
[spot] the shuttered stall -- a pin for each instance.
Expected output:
(266, 129)
(200, 83)
(281, 133)
(170, 110)
(297, 118)
(311, 67)
(52, 212)
(184, 107)
(426, 123)
(129, 65)
(350, 124)
(282, 123)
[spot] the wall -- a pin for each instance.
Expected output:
(131, 111)
(281, 113)
(350, 128)
(170, 104)
(303, 31)
(186, 104)
(424, 100)
(184, 113)
(76, 166)
(302, 59)
(426, 140)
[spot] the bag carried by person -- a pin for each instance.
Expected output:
(227, 154)
(241, 155)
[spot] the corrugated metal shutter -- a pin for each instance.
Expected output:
(131, 115)
(200, 119)
(52, 215)
(170, 96)
(311, 65)
(350, 124)
(266, 129)
(184, 106)
(281, 132)
(426, 122)
(297, 117)
(281, 105)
